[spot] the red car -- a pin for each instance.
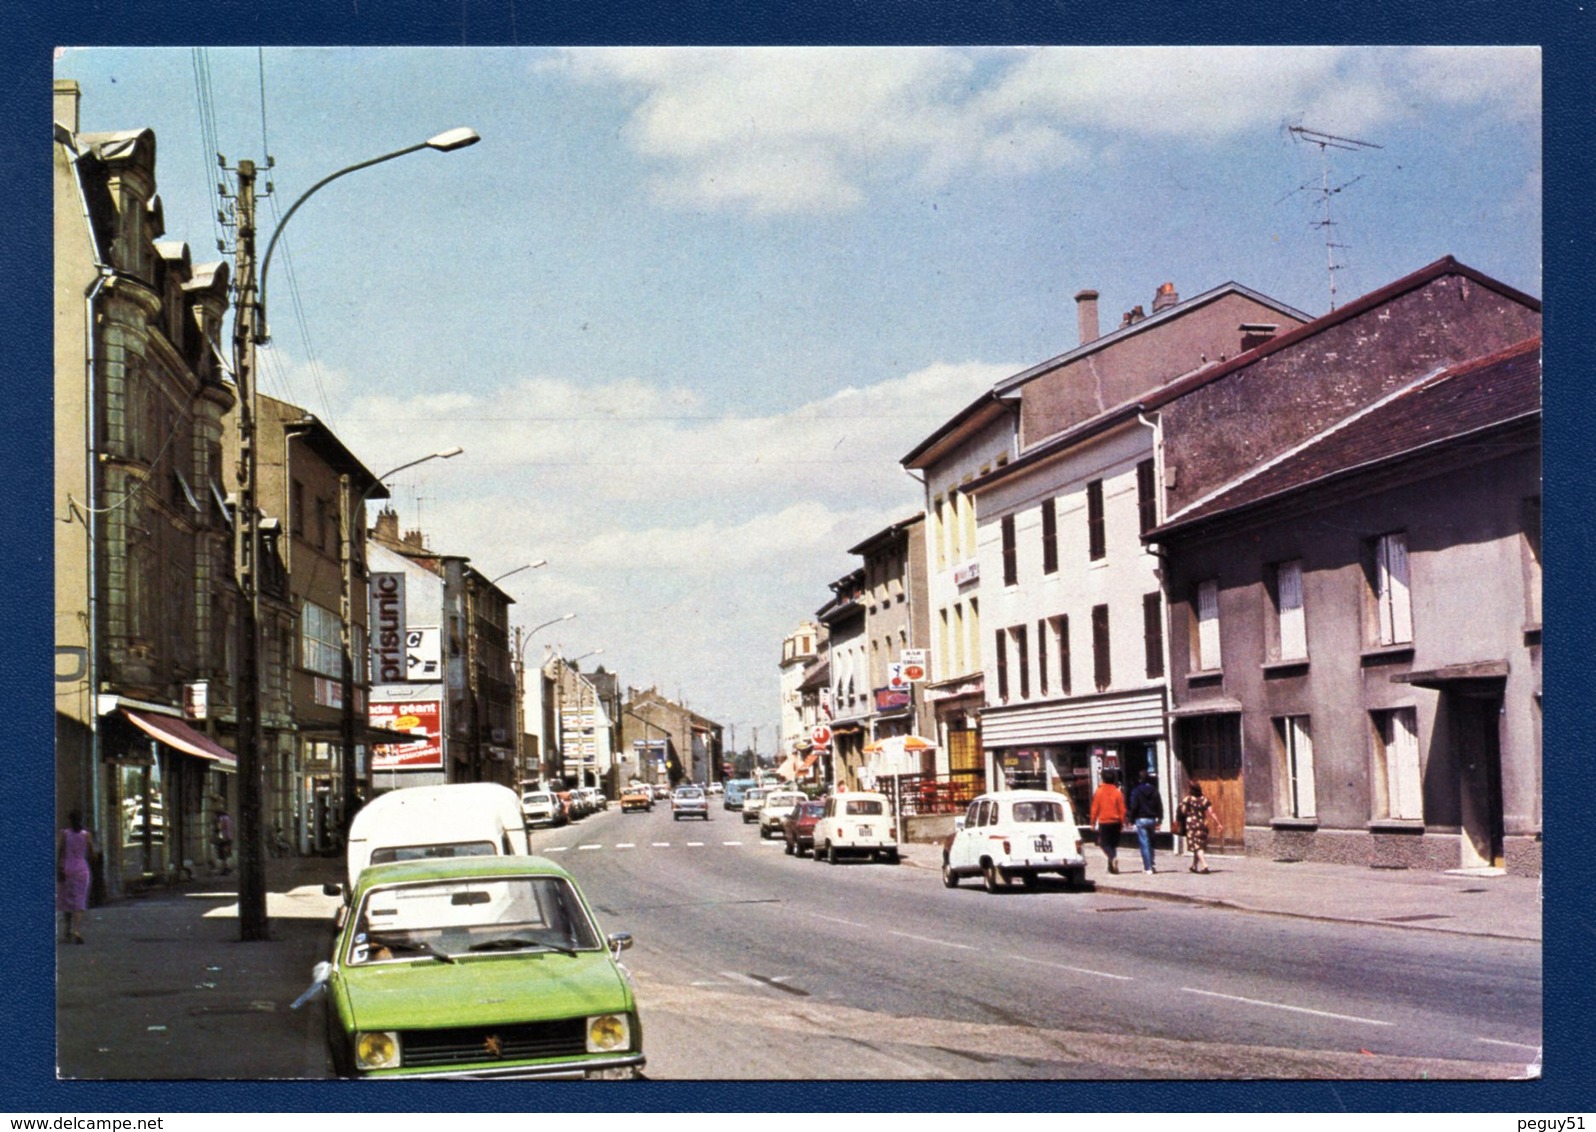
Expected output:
(798, 827)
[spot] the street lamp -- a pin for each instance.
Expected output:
(349, 779)
(521, 641)
(249, 332)
(518, 569)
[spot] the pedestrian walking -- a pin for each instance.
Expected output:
(1191, 819)
(1146, 811)
(1108, 815)
(223, 838)
(73, 872)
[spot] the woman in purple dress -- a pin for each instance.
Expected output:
(74, 850)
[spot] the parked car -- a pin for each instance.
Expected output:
(777, 805)
(798, 827)
(689, 802)
(856, 825)
(637, 796)
(1013, 834)
(539, 807)
(753, 802)
(466, 819)
(717, 788)
(480, 968)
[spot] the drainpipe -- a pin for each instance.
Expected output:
(1156, 427)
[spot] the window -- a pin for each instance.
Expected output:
(1001, 659)
(1153, 635)
(1041, 658)
(1293, 767)
(1022, 654)
(1532, 562)
(958, 640)
(320, 642)
(298, 508)
(940, 533)
(1096, 540)
(1396, 765)
(1146, 496)
(1011, 565)
(1393, 620)
(975, 634)
(1205, 655)
(1101, 669)
(1049, 537)
(1291, 636)
(944, 657)
(1061, 630)
(321, 523)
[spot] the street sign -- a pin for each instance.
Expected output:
(821, 736)
(896, 680)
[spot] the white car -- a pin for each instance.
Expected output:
(1015, 834)
(539, 807)
(856, 825)
(753, 802)
(777, 805)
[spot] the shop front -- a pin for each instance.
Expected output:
(1067, 745)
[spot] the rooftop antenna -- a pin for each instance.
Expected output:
(1327, 142)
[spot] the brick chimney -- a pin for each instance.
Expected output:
(1132, 316)
(1086, 315)
(413, 538)
(1165, 297)
(387, 528)
(67, 96)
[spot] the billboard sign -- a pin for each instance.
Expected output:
(423, 654)
(416, 710)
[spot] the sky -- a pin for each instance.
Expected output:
(685, 309)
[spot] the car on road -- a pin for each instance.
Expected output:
(662, 792)
(476, 969)
(637, 797)
(735, 788)
(717, 788)
(856, 825)
(689, 802)
(798, 827)
(1014, 835)
(540, 807)
(777, 805)
(463, 819)
(753, 802)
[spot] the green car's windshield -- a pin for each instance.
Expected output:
(443, 919)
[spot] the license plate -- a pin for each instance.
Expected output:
(864, 831)
(1044, 844)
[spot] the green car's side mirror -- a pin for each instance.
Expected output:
(619, 941)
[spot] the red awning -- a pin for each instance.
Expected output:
(180, 736)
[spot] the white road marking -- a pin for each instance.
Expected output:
(589, 846)
(695, 844)
(1283, 1006)
(660, 844)
(556, 848)
(1516, 1045)
(927, 939)
(1077, 970)
(834, 920)
(733, 844)
(626, 845)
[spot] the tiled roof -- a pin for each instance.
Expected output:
(1479, 394)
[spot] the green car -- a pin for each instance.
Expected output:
(479, 967)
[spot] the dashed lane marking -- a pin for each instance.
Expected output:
(733, 844)
(1515, 1045)
(1283, 1006)
(1077, 970)
(626, 845)
(939, 942)
(581, 847)
(660, 844)
(556, 848)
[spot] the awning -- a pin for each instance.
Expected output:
(181, 737)
(1216, 706)
(1479, 677)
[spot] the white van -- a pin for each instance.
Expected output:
(466, 819)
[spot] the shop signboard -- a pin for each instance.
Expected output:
(388, 664)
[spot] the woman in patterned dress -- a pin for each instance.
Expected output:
(1193, 815)
(74, 850)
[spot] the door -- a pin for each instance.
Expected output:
(1476, 737)
(1210, 752)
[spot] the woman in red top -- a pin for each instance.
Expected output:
(1108, 815)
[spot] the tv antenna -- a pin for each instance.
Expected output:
(1327, 142)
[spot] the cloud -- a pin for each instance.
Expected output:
(806, 130)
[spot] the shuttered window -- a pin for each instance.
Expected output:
(1061, 629)
(1153, 634)
(1146, 496)
(1392, 599)
(1293, 639)
(1294, 767)
(1022, 655)
(1096, 538)
(1011, 564)
(1207, 658)
(1396, 779)
(1102, 671)
(1041, 658)
(1001, 659)
(1049, 537)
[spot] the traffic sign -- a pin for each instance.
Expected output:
(821, 736)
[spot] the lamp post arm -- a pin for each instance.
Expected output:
(266, 263)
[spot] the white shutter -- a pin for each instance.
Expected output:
(1401, 605)
(1402, 765)
(1208, 626)
(1302, 767)
(1293, 632)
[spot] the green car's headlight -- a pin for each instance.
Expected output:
(378, 1049)
(607, 1033)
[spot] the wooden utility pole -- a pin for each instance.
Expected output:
(252, 922)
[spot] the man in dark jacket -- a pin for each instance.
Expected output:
(1146, 809)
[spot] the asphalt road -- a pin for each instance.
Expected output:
(751, 964)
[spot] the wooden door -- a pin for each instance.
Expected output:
(1210, 752)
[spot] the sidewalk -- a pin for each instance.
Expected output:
(1503, 907)
(163, 988)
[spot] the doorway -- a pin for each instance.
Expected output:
(1210, 753)
(1475, 717)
